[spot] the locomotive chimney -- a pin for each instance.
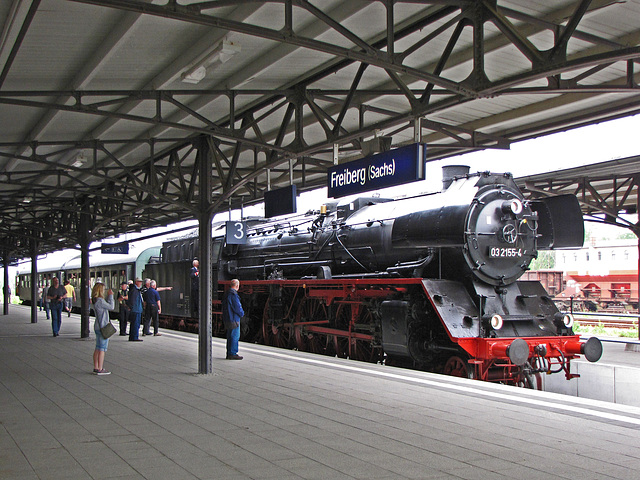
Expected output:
(451, 171)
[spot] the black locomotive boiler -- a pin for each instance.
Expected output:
(430, 282)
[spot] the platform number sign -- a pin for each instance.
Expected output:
(119, 248)
(236, 233)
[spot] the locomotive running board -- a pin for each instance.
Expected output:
(454, 307)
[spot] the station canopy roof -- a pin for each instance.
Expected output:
(608, 192)
(106, 105)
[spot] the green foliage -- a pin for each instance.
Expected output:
(601, 331)
(545, 261)
(627, 235)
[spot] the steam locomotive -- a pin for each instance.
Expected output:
(429, 282)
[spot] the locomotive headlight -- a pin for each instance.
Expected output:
(496, 322)
(512, 206)
(567, 319)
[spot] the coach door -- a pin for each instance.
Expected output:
(216, 249)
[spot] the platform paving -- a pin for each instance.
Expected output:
(281, 414)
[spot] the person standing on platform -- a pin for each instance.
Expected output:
(45, 299)
(40, 299)
(149, 308)
(56, 295)
(195, 286)
(136, 304)
(71, 296)
(232, 313)
(152, 299)
(146, 314)
(102, 308)
(123, 314)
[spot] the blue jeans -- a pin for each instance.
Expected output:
(101, 343)
(134, 325)
(56, 317)
(233, 335)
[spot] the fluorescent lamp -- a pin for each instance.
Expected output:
(194, 76)
(222, 53)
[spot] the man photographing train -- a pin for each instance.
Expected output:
(232, 313)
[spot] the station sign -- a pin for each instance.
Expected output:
(387, 169)
(119, 248)
(236, 233)
(280, 202)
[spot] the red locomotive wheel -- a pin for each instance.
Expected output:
(266, 326)
(311, 310)
(343, 320)
(273, 334)
(457, 367)
(365, 350)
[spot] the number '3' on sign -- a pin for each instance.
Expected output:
(236, 233)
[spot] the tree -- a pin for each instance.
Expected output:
(545, 261)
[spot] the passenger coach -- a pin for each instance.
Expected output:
(108, 268)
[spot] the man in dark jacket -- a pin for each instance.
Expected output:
(123, 314)
(136, 304)
(195, 287)
(232, 313)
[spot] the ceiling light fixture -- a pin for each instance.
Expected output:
(81, 160)
(222, 53)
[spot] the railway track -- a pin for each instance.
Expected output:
(594, 320)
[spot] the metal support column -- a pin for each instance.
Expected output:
(84, 241)
(34, 282)
(205, 162)
(7, 260)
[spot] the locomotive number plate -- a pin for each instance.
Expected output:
(504, 252)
